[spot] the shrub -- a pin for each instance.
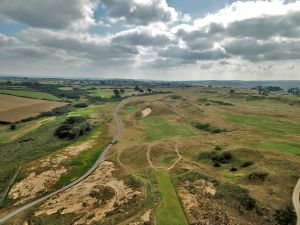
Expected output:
(217, 164)
(208, 127)
(218, 147)
(13, 126)
(257, 176)
(247, 163)
(286, 216)
(233, 169)
(81, 105)
(132, 182)
(75, 119)
(236, 196)
(224, 157)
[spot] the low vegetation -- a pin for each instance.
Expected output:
(208, 127)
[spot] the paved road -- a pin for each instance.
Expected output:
(91, 170)
(296, 202)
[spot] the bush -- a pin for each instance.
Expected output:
(257, 176)
(208, 127)
(247, 163)
(233, 169)
(224, 157)
(81, 105)
(217, 164)
(132, 182)
(286, 216)
(236, 196)
(13, 126)
(73, 127)
(218, 147)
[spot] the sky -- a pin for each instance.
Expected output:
(151, 39)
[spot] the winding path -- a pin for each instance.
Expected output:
(88, 173)
(296, 202)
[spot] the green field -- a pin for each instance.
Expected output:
(29, 94)
(291, 148)
(103, 93)
(169, 210)
(263, 124)
(159, 128)
(132, 108)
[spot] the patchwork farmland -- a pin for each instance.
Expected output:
(14, 109)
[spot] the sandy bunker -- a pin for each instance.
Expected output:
(146, 112)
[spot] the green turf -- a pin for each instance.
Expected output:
(103, 93)
(132, 108)
(169, 210)
(263, 124)
(291, 148)
(159, 128)
(29, 94)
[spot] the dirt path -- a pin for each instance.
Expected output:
(296, 202)
(179, 158)
(155, 167)
(10, 184)
(87, 174)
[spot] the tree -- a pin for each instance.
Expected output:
(137, 88)
(117, 93)
(122, 90)
(149, 90)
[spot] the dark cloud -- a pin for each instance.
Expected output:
(55, 14)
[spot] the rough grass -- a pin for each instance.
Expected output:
(29, 94)
(33, 145)
(82, 162)
(291, 148)
(169, 210)
(263, 124)
(103, 93)
(132, 108)
(160, 128)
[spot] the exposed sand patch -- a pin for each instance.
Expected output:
(143, 219)
(79, 200)
(146, 112)
(34, 184)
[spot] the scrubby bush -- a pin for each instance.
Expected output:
(13, 126)
(217, 164)
(247, 163)
(233, 169)
(236, 196)
(73, 127)
(224, 157)
(218, 147)
(81, 105)
(132, 182)
(208, 127)
(286, 216)
(257, 176)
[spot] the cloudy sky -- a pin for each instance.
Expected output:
(151, 39)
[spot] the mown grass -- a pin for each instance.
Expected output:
(291, 148)
(159, 128)
(82, 162)
(169, 210)
(29, 94)
(263, 124)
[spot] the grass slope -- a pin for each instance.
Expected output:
(291, 148)
(169, 211)
(159, 128)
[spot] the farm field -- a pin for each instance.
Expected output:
(29, 94)
(14, 108)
